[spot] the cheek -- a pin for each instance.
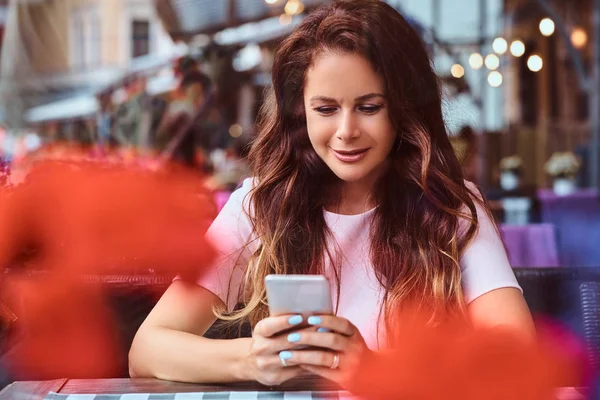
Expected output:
(383, 133)
(319, 131)
(389, 138)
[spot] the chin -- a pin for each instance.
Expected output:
(349, 176)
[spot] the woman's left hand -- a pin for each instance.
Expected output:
(340, 348)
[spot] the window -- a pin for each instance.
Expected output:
(78, 40)
(140, 38)
(86, 38)
(95, 39)
(528, 88)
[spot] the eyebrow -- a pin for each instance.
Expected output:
(364, 97)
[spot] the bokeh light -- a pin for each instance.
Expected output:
(547, 27)
(285, 19)
(457, 71)
(579, 37)
(535, 63)
(476, 61)
(500, 45)
(495, 79)
(492, 62)
(294, 7)
(236, 130)
(517, 48)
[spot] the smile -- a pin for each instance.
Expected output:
(350, 156)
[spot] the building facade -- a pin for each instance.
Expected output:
(59, 49)
(459, 29)
(548, 109)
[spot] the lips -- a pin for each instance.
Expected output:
(350, 156)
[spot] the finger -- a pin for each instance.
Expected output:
(274, 362)
(288, 359)
(273, 325)
(327, 340)
(280, 376)
(291, 372)
(334, 323)
(277, 343)
(317, 358)
(327, 373)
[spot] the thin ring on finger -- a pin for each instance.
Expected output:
(336, 362)
(283, 362)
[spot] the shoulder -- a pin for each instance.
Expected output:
(232, 229)
(487, 241)
(243, 192)
(482, 213)
(484, 262)
(238, 207)
(474, 191)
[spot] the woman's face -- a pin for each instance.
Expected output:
(347, 116)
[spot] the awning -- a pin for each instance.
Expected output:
(86, 105)
(234, 21)
(184, 19)
(74, 107)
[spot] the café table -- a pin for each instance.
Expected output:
(530, 245)
(304, 388)
(576, 218)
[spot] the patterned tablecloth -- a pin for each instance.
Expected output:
(308, 395)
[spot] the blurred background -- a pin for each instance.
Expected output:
(151, 82)
(146, 80)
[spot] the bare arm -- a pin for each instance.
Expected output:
(169, 344)
(503, 307)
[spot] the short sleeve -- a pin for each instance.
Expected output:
(231, 236)
(484, 264)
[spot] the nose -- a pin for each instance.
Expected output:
(348, 128)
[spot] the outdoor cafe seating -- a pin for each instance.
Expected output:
(568, 295)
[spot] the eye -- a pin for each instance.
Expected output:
(325, 110)
(370, 108)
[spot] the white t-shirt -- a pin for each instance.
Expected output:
(484, 265)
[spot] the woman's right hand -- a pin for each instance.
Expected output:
(266, 366)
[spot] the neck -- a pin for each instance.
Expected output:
(355, 198)
(358, 197)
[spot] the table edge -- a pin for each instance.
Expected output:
(11, 390)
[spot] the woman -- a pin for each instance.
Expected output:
(354, 178)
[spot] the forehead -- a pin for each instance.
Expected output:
(339, 75)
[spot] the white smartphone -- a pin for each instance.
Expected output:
(298, 294)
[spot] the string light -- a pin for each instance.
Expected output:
(476, 61)
(285, 19)
(579, 37)
(535, 63)
(294, 7)
(495, 79)
(236, 130)
(271, 1)
(517, 48)
(492, 61)
(547, 27)
(457, 71)
(500, 45)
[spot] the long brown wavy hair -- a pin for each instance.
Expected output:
(415, 240)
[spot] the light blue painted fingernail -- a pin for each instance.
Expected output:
(285, 355)
(295, 320)
(322, 330)
(312, 320)
(293, 337)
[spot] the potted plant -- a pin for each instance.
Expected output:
(510, 172)
(563, 167)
